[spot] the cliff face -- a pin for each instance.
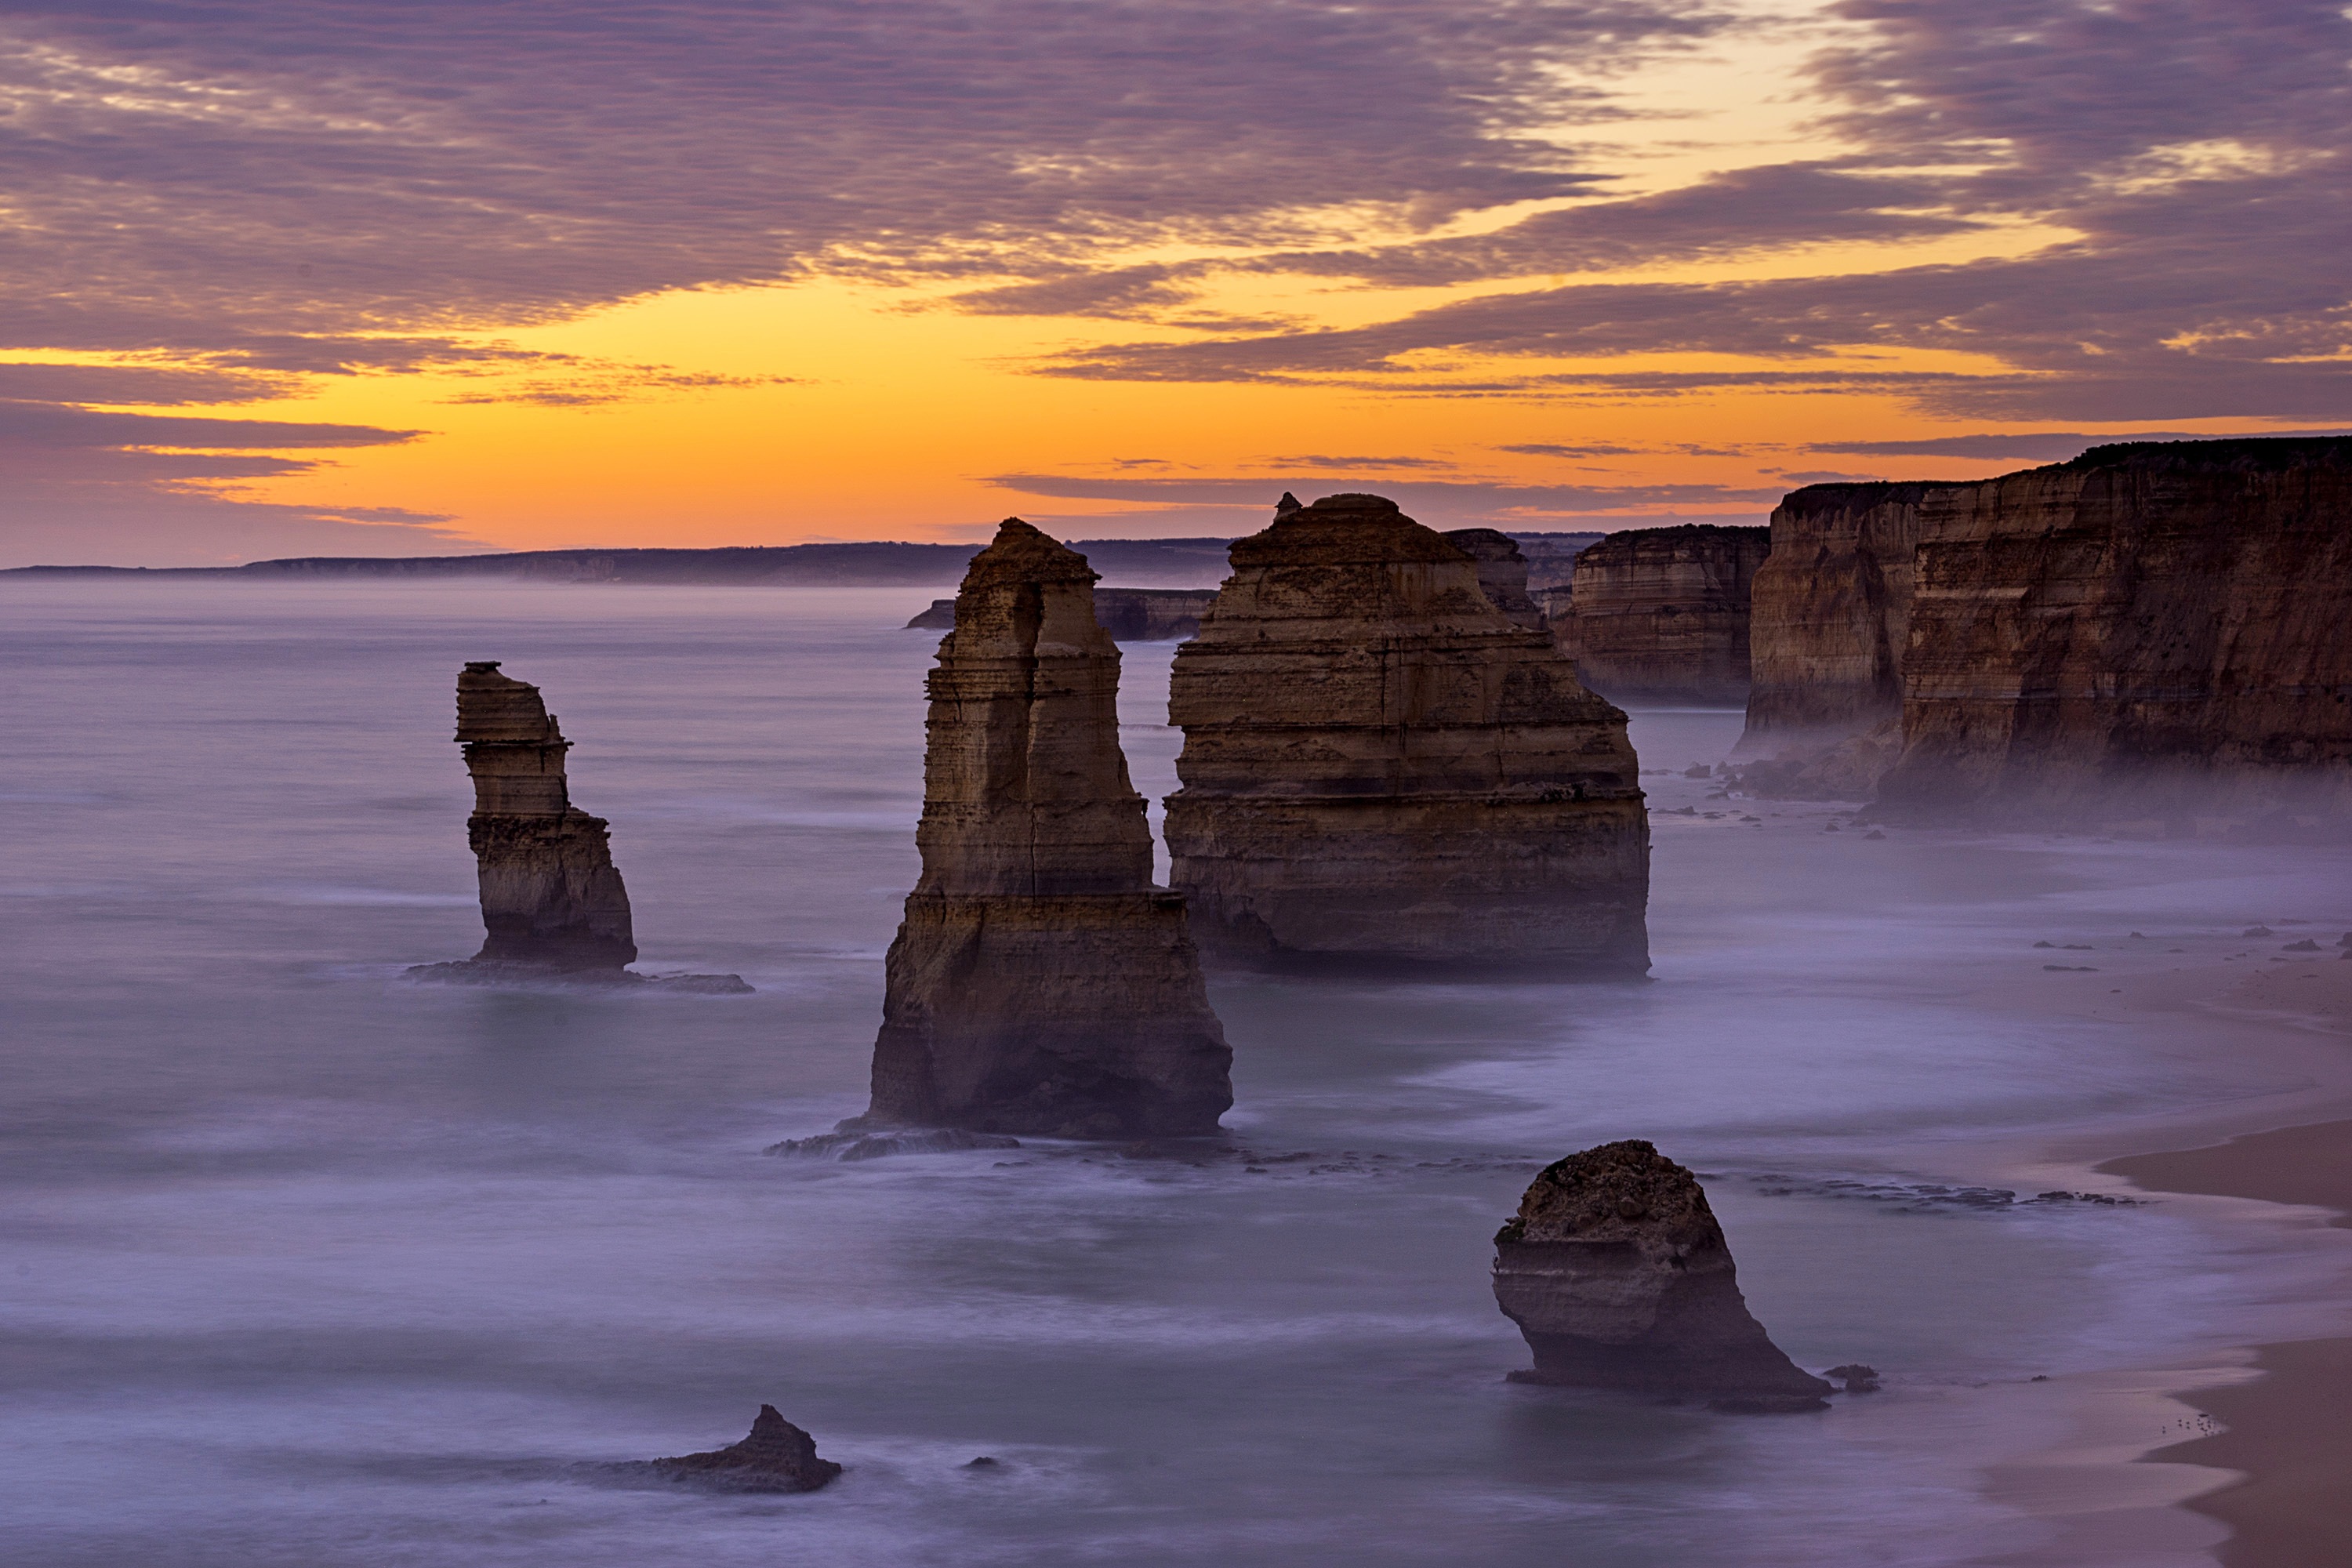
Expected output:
(1619, 1276)
(1380, 766)
(1661, 614)
(1041, 983)
(1829, 610)
(2151, 628)
(551, 896)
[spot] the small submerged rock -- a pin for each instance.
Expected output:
(849, 1146)
(497, 972)
(1856, 1377)
(1619, 1276)
(777, 1457)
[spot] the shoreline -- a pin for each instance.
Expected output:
(2253, 1438)
(2287, 1429)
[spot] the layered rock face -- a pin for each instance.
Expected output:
(2149, 628)
(1041, 983)
(1380, 766)
(1661, 614)
(1618, 1275)
(1129, 614)
(1829, 611)
(1502, 574)
(551, 896)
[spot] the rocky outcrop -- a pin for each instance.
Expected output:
(552, 897)
(777, 1457)
(1041, 983)
(1618, 1275)
(1381, 767)
(1660, 615)
(2151, 630)
(1502, 574)
(1129, 614)
(1829, 611)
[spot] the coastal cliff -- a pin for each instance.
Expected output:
(1661, 614)
(552, 897)
(1619, 1276)
(1829, 614)
(1041, 983)
(2152, 629)
(1380, 766)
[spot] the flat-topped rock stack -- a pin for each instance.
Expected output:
(1660, 615)
(1041, 983)
(1618, 1275)
(552, 897)
(1382, 766)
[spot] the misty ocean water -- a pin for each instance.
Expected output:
(307, 1263)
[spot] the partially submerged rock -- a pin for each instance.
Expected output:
(1041, 983)
(777, 1457)
(850, 1147)
(1618, 1275)
(1382, 766)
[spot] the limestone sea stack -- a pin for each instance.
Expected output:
(1041, 983)
(1382, 766)
(1660, 615)
(552, 897)
(777, 1457)
(1616, 1271)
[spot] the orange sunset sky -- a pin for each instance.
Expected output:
(421, 279)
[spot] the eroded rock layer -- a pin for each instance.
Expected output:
(2154, 628)
(1661, 614)
(1041, 983)
(552, 897)
(1379, 765)
(1618, 1275)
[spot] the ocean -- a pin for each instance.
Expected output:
(303, 1263)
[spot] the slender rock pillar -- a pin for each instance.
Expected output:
(1041, 983)
(551, 896)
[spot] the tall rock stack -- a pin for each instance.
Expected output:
(1380, 766)
(1041, 983)
(1618, 1275)
(2150, 631)
(551, 896)
(1661, 614)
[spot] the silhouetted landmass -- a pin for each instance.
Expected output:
(879, 563)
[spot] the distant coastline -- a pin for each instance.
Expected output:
(883, 563)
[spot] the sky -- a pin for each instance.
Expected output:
(428, 277)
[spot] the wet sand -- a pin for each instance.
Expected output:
(2290, 1430)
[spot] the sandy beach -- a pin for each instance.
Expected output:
(2288, 1429)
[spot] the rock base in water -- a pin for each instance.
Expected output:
(850, 1142)
(1619, 1276)
(777, 1457)
(500, 971)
